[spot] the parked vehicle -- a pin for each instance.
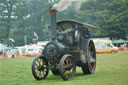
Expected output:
(32, 50)
(104, 45)
(109, 48)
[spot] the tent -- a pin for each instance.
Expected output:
(119, 42)
(2, 47)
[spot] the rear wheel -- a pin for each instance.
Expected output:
(40, 68)
(90, 55)
(67, 67)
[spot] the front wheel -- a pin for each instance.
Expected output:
(67, 67)
(40, 68)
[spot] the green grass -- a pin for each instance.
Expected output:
(112, 69)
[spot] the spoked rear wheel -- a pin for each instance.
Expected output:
(40, 68)
(67, 67)
(90, 65)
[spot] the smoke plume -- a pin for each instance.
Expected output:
(65, 4)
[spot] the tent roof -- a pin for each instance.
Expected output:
(120, 41)
(2, 46)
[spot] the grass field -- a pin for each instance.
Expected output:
(112, 69)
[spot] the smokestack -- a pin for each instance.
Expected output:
(53, 22)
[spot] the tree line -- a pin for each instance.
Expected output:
(19, 19)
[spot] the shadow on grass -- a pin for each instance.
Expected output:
(78, 76)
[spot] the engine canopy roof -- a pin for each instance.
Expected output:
(66, 24)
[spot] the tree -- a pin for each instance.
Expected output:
(6, 17)
(20, 18)
(109, 17)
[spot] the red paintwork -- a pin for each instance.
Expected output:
(52, 12)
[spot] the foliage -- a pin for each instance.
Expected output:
(21, 18)
(109, 17)
(29, 16)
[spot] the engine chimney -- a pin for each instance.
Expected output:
(53, 23)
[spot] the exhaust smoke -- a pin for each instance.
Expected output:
(65, 4)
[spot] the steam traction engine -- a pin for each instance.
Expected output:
(69, 47)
